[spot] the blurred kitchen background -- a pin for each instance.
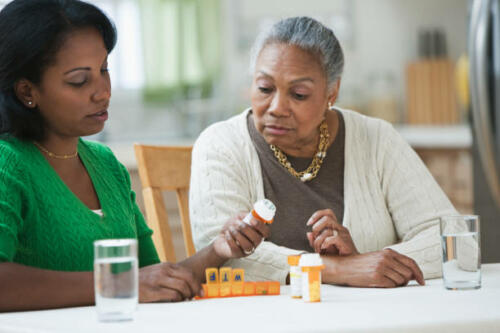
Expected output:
(181, 65)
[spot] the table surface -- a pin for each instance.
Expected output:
(342, 309)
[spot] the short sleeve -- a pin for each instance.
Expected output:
(147, 251)
(12, 204)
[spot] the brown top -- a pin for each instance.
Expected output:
(297, 201)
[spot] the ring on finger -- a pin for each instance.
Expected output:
(248, 252)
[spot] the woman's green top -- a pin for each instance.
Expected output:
(43, 224)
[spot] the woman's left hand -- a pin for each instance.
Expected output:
(328, 236)
(238, 239)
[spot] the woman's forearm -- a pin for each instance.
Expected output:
(330, 274)
(28, 288)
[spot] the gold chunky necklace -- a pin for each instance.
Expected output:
(51, 154)
(312, 171)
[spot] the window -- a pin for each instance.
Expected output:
(126, 60)
(167, 48)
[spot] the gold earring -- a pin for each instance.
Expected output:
(330, 105)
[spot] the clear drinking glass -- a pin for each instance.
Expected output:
(116, 279)
(460, 240)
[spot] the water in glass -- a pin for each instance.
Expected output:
(116, 288)
(461, 260)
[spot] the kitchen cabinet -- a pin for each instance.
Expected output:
(452, 169)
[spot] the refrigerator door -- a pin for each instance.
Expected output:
(484, 55)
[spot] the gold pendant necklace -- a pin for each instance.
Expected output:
(51, 154)
(312, 171)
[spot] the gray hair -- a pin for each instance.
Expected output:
(309, 35)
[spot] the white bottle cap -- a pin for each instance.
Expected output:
(265, 209)
(310, 259)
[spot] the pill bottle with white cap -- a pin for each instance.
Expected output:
(311, 266)
(263, 210)
(295, 276)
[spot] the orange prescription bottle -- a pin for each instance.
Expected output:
(263, 210)
(295, 276)
(311, 265)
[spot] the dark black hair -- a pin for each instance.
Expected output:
(31, 34)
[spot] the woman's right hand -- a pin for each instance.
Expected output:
(383, 269)
(238, 239)
(167, 282)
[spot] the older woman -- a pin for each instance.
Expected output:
(59, 193)
(345, 185)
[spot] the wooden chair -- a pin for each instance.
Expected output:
(165, 168)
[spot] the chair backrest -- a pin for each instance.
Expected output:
(165, 168)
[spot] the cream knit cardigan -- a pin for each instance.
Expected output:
(390, 198)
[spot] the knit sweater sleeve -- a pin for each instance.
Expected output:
(414, 200)
(147, 251)
(224, 183)
(14, 202)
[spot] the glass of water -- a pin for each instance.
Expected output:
(460, 240)
(116, 279)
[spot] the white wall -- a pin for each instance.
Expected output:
(382, 36)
